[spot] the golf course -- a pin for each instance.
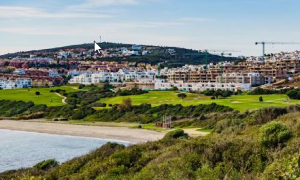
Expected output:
(238, 102)
(45, 97)
(155, 98)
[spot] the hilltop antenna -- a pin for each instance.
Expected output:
(100, 39)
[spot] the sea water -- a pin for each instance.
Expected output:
(24, 149)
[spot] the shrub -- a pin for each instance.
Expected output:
(269, 114)
(274, 134)
(222, 93)
(47, 164)
(285, 168)
(261, 99)
(12, 108)
(293, 94)
(126, 105)
(260, 91)
(83, 112)
(174, 88)
(182, 95)
(133, 91)
(98, 104)
(179, 133)
(81, 86)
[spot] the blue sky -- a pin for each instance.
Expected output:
(197, 24)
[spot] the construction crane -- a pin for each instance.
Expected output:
(222, 53)
(263, 43)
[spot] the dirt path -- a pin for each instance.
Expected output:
(64, 98)
(195, 133)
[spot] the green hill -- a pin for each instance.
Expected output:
(181, 57)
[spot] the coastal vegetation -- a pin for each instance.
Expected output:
(248, 138)
(262, 144)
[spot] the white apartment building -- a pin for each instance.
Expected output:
(19, 72)
(113, 77)
(163, 85)
(15, 83)
(53, 73)
(244, 78)
(77, 73)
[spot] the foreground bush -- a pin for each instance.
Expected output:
(293, 94)
(274, 134)
(47, 164)
(179, 133)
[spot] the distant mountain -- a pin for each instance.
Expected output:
(158, 54)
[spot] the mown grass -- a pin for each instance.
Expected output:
(239, 102)
(47, 98)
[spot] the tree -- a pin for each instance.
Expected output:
(274, 134)
(174, 88)
(81, 86)
(293, 94)
(126, 104)
(261, 99)
(182, 95)
(37, 93)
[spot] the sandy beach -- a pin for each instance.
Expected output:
(115, 133)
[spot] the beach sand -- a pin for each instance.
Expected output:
(114, 133)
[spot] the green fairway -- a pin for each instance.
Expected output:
(29, 95)
(240, 102)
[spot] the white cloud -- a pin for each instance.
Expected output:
(77, 30)
(195, 19)
(21, 12)
(31, 31)
(91, 4)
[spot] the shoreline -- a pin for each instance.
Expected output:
(102, 132)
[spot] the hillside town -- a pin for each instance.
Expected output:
(45, 69)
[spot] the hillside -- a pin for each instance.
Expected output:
(181, 57)
(258, 145)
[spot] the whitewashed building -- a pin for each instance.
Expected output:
(163, 85)
(113, 77)
(15, 83)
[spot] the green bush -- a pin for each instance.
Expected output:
(47, 164)
(268, 114)
(174, 88)
(260, 91)
(83, 112)
(182, 95)
(293, 94)
(273, 134)
(179, 133)
(13, 108)
(81, 86)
